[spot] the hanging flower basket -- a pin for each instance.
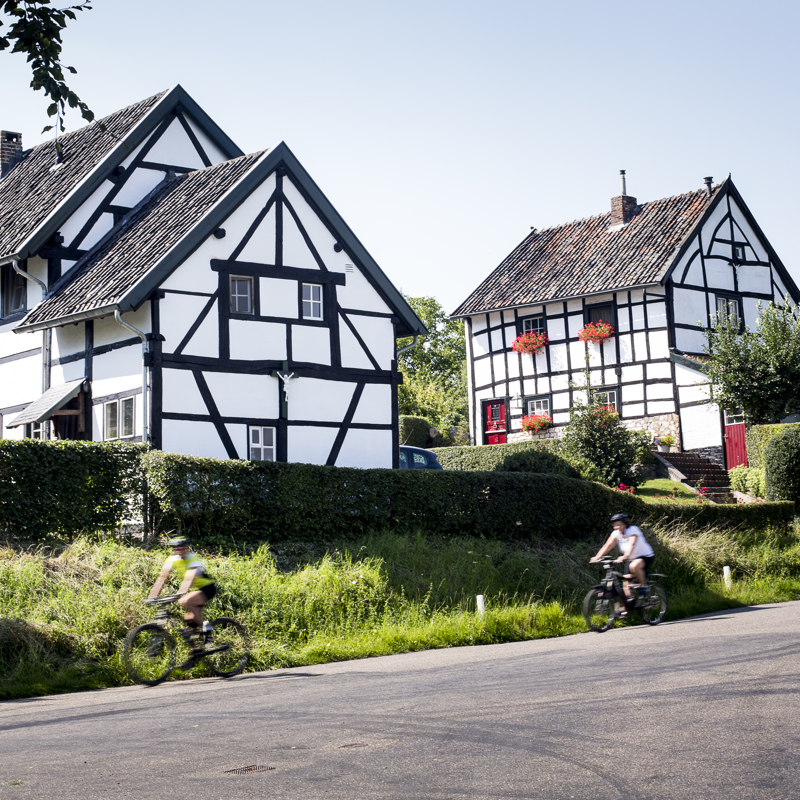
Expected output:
(531, 342)
(534, 423)
(596, 332)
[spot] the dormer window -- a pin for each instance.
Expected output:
(312, 301)
(14, 291)
(241, 290)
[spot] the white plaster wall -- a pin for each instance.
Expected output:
(215, 155)
(253, 396)
(686, 376)
(692, 394)
(178, 313)
(754, 279)
(660, 407)
(180, 393)
(138, 185)
(478, 323)
(359, 293)
(20, 381)
(480, 344)
(623, 319)
(689, 341)
(744, 226)
(658, 371)
(67, 340)
(312, 344)
(695, 273)
(559, 382)
(637, 295)
(310, 445)
(497, 340)
(378, 333)
(625, 348)
(316, 399)
(574, 324)
(577, 305)
(556, 329)
(296, 252)
(700, 427)
(63, 373)
(353, 355)
(70, 229)
(632, 372)
(495, 318)
(637, 314)
(366, 449)
(609, 351)
(719, 274)
(175, 147)
(483, 372)
(640, 346)
(659, 391)
(103, 225)
(551, 309)
(528, 360)
(192, 438)
(513, 365)
(689, 306)
(238, 434)
(129, 159)
(577, 353)
(633, 392)
(656, 315)
(117, 371)
(205, 340)
(659, 344)
(375, 406)
(499, 368)
(256, 341)
(711, 223)
(109, 331)
(13, 343)
(97, 422)
(543, 385)
(261, 247)
(750, 311)
(279, 298)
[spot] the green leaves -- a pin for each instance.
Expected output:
(35, 30)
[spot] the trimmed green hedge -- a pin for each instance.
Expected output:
(491, 457)
(759, 436)
(782, 465)
(414, 431)
(68, 487)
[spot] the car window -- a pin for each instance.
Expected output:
(403, 460)
(420, 461)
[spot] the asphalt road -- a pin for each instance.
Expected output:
(704, 708)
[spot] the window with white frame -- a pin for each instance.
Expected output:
(312, 301)
(536, 405)
(262, 444)
(35, 430)
(241, 290)
(727, 307)
(118, 419)
(607, 397)
(13, 290)
(533, 325)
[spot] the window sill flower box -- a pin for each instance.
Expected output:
(531, 342)
(536, 423)
(596, 332)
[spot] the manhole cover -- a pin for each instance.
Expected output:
(246, 770)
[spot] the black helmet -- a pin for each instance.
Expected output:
(621, 518)
(179, 542)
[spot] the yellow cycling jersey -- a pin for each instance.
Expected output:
(181, 565)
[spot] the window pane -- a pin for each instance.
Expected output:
(420, 461)
(306, 291)
(312, 301)
(269, 436)
(403, 460)
(111, 421)
(255, 436)
(127, 416)
(255, 453)
(262, 444)
(241, 295)
(535, 325)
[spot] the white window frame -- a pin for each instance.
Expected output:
(255, 442)
(612, 390)
(534, 325)
(538, 405)
(121, 431)
(36, 430)
(311, 304)
(236, 296)
(728, 306)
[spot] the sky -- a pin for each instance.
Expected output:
(443, 131)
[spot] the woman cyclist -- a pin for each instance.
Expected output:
(634, 548)
(196, 588)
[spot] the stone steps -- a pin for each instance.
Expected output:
(699, 472)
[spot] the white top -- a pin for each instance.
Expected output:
(641, 549)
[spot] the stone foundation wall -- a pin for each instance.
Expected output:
(523, 436)
(715, 454)
(659, 425)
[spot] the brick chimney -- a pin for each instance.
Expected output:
(622, 207)
(10, 151)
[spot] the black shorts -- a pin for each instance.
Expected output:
(648, 560)
(209, 591)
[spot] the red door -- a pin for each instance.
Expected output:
(494, 422)
(735, 443)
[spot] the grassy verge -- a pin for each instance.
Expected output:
(665, 490)
(64, 612)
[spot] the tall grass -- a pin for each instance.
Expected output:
(65, 611)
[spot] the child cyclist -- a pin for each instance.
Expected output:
(634, 548)
(196, 588)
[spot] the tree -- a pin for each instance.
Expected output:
(435, 371)
(759, 371)
(35, 29)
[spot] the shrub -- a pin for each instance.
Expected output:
(641, 441)
(756, 482)
(758, 437)
(541, 461)
(415, 431)
(490, 456)
(782, 465)
(738, 478)
(595, 434)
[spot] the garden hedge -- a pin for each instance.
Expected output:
(414, 431)
(759, 436)
(491, 457)
(782, 465)
(68, 487)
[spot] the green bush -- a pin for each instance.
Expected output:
(642, 443)
(758, 437)
(491, 457)
(782, 465)
(748, 479)
(538, 461)
(757, 482)
(415, 431)
(68, 487)
(738, 478)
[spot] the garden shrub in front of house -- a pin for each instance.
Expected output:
(490, 457)
(759, 436)
(414, 431)
(782, 465)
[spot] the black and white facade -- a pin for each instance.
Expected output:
(212, 303)
(659, 273)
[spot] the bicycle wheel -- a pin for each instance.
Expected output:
(654, 606)
(149, 654)
(229, 648)
(599, 610)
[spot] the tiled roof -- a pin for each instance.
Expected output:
(33, 189)
(585, 257)
(140, 241)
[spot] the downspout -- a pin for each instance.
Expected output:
(45, 332)
(408, 346)
(143, 337)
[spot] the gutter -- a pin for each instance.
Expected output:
(143, 336)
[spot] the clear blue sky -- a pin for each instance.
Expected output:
(442, 131)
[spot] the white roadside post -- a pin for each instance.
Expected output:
(726, 576)
(481, 605)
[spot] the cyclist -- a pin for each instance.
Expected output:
(196, 588)
(634, 548)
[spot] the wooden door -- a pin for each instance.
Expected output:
(494, 422)
(735, 443)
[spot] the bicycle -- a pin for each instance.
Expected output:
(605, 603)
(149, 650)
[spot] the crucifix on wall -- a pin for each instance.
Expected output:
(284, 376)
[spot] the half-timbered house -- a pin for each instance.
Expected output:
(157, 284)
(659, 273)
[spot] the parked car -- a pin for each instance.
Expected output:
(418, 458)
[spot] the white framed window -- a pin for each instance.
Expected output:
(312, 301)
(533, 325)
(262, 444)
(14, 292)
(727, 307)
(734, 416)
(35, 430)
(241, 290)
(119, 421)
(607, 397)
(537, 405)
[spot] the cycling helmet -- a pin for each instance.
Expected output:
(179, 542)
(621, 518)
